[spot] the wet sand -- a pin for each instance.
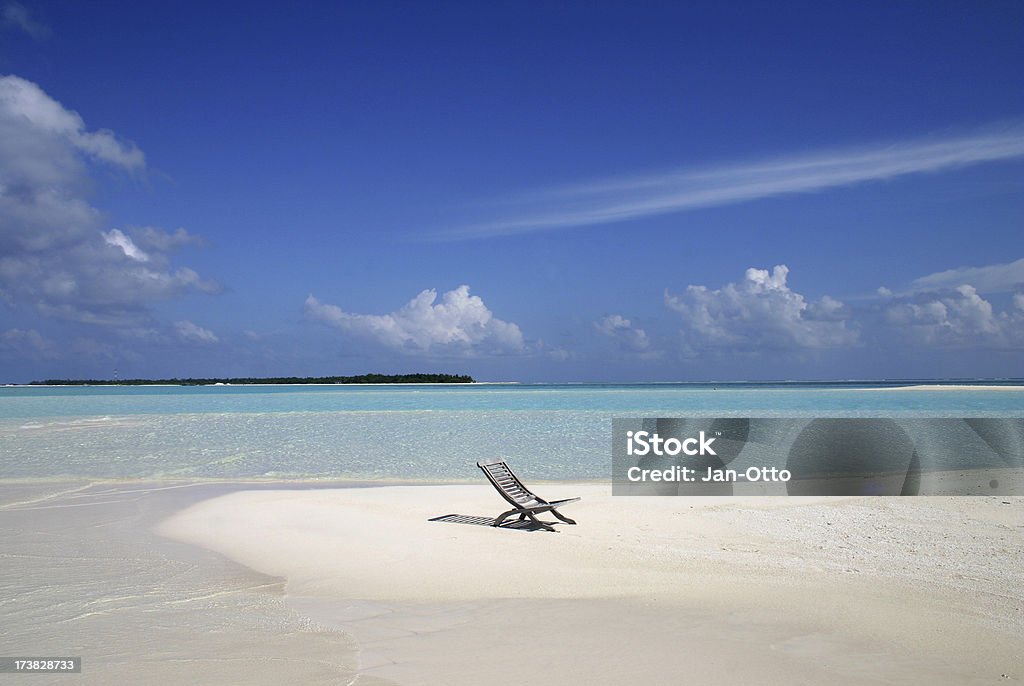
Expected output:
(83, 575)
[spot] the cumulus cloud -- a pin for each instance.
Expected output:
(959, 317)
(45, 118)
(21, 344)
(16, 16)
(631, 338)
(188, 331)
(128, 247)
(760, 312)
(994, 278)
(460, 322)
(153, 238)
(55, 254)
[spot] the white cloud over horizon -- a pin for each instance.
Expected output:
(956, 318)
(55, 255)
(625, 198)
(459, 323)
(759, 312)
(630, 338)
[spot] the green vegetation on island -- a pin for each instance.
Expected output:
(241, 381)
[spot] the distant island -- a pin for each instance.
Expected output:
(242, 381)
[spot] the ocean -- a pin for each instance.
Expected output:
(399, 432)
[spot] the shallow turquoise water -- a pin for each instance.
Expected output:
(382, 432)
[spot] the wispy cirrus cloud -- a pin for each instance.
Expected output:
(993, 278)
(14, 15)
(620, 199)
(188, 331)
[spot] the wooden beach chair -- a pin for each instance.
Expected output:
(524, 503)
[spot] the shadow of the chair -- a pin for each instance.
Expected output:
(518, 525)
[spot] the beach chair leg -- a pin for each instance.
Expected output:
(523, 516)
(538, 522)
(563, 517)
(503, 516)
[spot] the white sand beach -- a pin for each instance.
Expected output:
(643, 590)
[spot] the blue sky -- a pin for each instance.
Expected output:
(519, 191)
